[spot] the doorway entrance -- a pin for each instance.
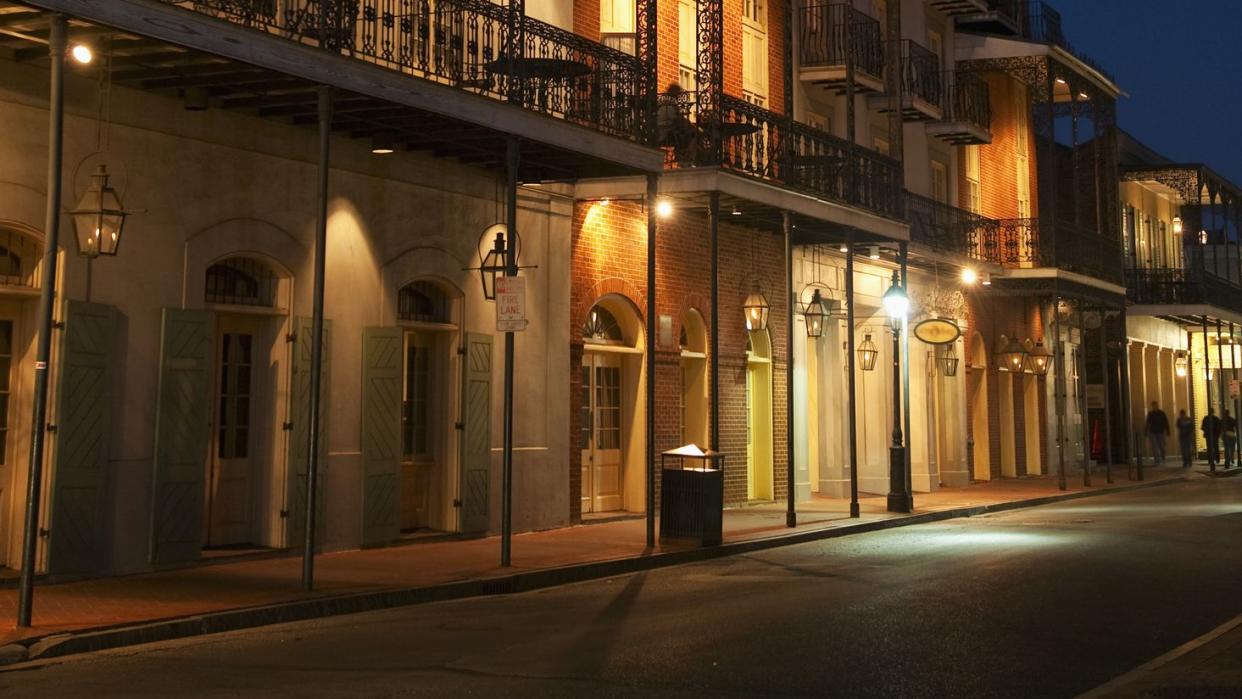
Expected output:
(977, 387)
(601, 453)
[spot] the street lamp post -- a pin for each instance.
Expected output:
(896, 303)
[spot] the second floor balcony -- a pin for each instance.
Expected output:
(1178, 286)
(946, 228)
(1021, 244)
(922, 85)
(966, 112)
(834, 37)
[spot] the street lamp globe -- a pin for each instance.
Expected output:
(98, 218)
(896, 303)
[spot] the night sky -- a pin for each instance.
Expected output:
(1180, 62)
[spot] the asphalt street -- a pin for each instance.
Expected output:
(1042, 602)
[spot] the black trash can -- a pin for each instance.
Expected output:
(692, 497)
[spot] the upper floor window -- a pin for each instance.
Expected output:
(616, 25)
(687, 43)
(939, 182)
(974, 186)
(425, 302)
(241, 281)
(755, 52)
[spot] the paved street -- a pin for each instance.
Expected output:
(1046, 602)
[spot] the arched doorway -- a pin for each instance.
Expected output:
(612, 407)
(249, 296)
(759, 416)
(427, 311)
(693, 408)
(977, 389)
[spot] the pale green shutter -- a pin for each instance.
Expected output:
(299, 433)
(182, 429)
(381, 434)
(76, 520)
(476, 441)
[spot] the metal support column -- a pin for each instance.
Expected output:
(513, 161)
(1128, 413)
(713, 220)
(791, 514)
(898, 496)
(653, 190)
(1105, 366)
(1221, 390)
(1058, 389)
(1080, 393)
(316, 362)
(1207, 396)
(851, 369)
(47, 297)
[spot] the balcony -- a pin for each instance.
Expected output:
(997, 17)
(922, 86)
(460, 43)
(1081, 252)
(952, 8)
(1175, 286)
(967, 111)
(946, 228)
(823, 55)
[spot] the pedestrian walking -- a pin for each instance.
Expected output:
(1186, 437)
(1157, 430)
(1211, 434)
(1229, 427)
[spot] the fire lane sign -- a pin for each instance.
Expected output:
(510, 304)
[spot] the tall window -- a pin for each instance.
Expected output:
(973, 187)
(755, 52)
(935, 44)
(939, 182)
(233, 433)
(687, 43)
(1021, 153)
(616, 25)
(415, 435)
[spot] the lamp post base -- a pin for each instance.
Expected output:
(898, 499)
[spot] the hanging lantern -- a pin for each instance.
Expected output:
(1179, 365)
(948, 361)
(1039, 359)
(814, 315)
(492, 264)
(1177, 225)
(98, 217)
(867, 353)
(756, 309)
(1012, 355)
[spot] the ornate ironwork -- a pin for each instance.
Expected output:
(467, 44)
(1178, 286)
(921, 74)
(709, 65)
(967, 99)
(950, 229)
(646, 24)
(823, 39)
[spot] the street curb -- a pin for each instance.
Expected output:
(91, 640)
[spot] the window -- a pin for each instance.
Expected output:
(755, 52)
(1021, 153)
(687, 43)
(880, 145)
(241, 281)
(601, 328)
(823, 122)
(973, 187)
(415, 435)
(6, 367)
(939, 182)
(616, 25)
(233, 431)
(425, 302)
(935, 44)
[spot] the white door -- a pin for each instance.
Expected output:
(601, 431)
(230, 470)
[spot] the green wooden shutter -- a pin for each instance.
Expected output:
(299, 432)
(381, 434)
(476, 442)
(182, 429)
(76, 519)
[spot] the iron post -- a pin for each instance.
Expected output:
(850, 352)
(653, 184)
(791, 514)
(713, 216)
(513, 156)
(47, 297)
(898, 498)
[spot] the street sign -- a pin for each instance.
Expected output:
(510, 304)
(937, 331)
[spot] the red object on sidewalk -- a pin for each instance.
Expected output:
(1097, 441)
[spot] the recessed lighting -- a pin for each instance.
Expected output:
(1061, 81)
(987, 279)
(664, 208)
(82, 53)
(844, 248)
(969, 276)
(875, 252)
(736, 211)
(382, 143)
(1083, 96)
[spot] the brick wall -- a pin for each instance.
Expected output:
(609, 257)
(998, 174)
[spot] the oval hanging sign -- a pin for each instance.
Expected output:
(937, 331)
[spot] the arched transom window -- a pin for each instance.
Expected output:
(601, 328)
(19, 259)
(241, 281)
(425, 302)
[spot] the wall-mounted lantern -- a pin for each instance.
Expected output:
(1012, 355)
(756, 309)
(867, 353)
(1038, 359)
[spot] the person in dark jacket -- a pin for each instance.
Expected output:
(1211, 434)
(1229, 430)
(1157, 430)
(1186, 437)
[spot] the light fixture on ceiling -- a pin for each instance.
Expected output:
(81, 53)
(969, 276)
(382, 143)
(664, 208)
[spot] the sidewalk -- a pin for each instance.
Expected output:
(391, 574)
(1209, 666)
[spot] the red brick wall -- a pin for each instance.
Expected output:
(998, 175)
(609, 256)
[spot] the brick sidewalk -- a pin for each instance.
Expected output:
(146, 597)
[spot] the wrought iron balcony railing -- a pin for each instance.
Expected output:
(1041, 22)
(950, 229)
(823, 37)
(1177, 286)
(922, 76)
(968, 99)
(463, 43)
(757, 142)
(1083, 252)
